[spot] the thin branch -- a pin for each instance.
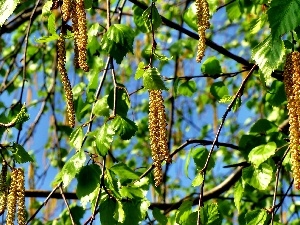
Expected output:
(67, 204)
(222, 6)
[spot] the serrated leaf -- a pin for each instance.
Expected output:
(111, 183)
(218, 90)
(233, 10)
(187, 163)
(262, 126)
(122, 101)
(19, 154)
(197, 180)
(151, 18)
(276, 95)
(200, 155)
(152, 80)
(88, 179)
(76, 138)
(283, 16)
(139, 71)
(72, 167)
(187, 88)
(260, 177)
(90, 198)
(101, 107)
(268, 55)
(257, 217)
(124, 127)
(183, 212)
(261, 153)
(104, 139)
(108, 207)
(51, 24)
(211, 66)
(135, 211)
(47, 38)
(162, 57)
(209, 214)
(257, 24)
(190, 16)
(161, 218)
(124, 172)
(7, 8)
(138, 19)
(238, 194)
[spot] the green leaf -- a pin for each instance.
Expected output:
(51, 24)
(283, 16)
(131, 192)
(233, 10)
(124, 127)
(101, 107)
(122, 101)
(276, 94)
(88, 4)
(260, 177)
(104, 139)
(211, 66)
(261, 153)
(135, 211)
(209, 214)
(187, 88)
(19, 154)
(138, 19)
(88, 179)
(257, 217)
(268, 55)
(152, 80)
(47, 38)
(118, 41)
(151, 18)
(140, 71)
(197, 180)
(161, 218)
(108, 207)
(190, 16)
(162, 57)
(7, 8)
(263, 126)
(76, 138)
(22, 116)
(72, 167)
(218, 90)
(200, 155)
(183, 212)
(111, 183)
(124, 172)
(238, 194)
(257, 24)
(46, 10)
(77, 214)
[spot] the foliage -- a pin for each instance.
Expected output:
(233, 104)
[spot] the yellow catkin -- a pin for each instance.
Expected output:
(66, 9)
(158, 133)
(291, 77)
(202, 10)
(61, 57)
(3, 188)
(12, 198)
(21, 197)
(80, 33)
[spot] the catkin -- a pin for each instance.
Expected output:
(21, 197)
(66, 9)
(202, 10)
(158, 133)
(12, 198)
(291, 76)
(61, 52)
(80, 34)
(3, 187)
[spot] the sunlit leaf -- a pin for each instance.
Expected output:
(124, 172)
(151, 18)
(19, 154)
(7, 7)
(76, 138)
(198, 180)
(218, 90)
(160, 217)
(261, 153)
(238, 194)
(211, 66)
(209, 214)
(187, 88)
(152, 80)
(124, 127)
(104, 139)
(257, 217)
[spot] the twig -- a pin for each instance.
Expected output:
(67, 204)
(222, 6)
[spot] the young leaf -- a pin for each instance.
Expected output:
(190, 18)
(187, 88)
(200, 155)
(162, 57)
(101, 107)
(257, 217)
(197, 180)
(238, 194)
(139, 71)
(44, 39)
(122, 101)
(183, 212)
(209, 214)
(151, 18)
(124, 127)
(161, 218)
(7, 8)
(152, 80)
(268, 54)
(124, 172)
(111, 183)
(104, 138)
(51, 24)
(218, 90)
(263, 126)
(233, 10)
(72, 167)
(283, 16)
(138, 19)
(76, 138)
(261, 153)
(211, 66)
(260, 177)
(108, 207)
(46, 10)
(19, 154)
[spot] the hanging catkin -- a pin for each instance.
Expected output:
(66, 9)
(21, 197)
(61, 57)
(80, 34)
(158, 133)
(12, 198)
(291, 78)
(3, 188)
(203, 24)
